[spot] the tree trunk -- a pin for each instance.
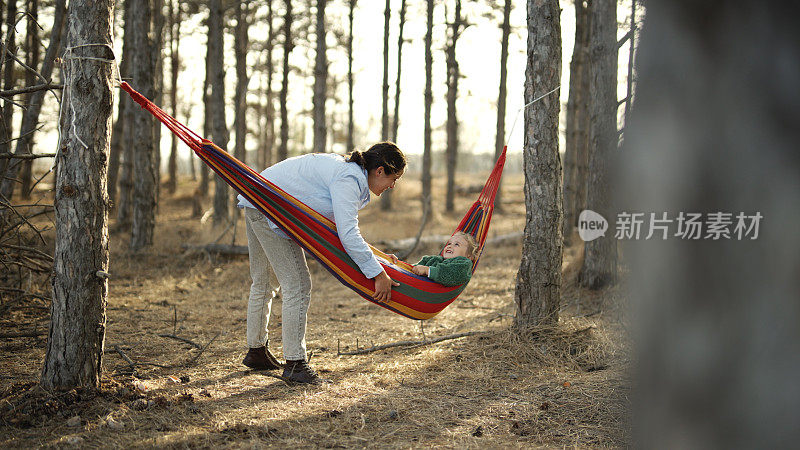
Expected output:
(283, 150)
(426, 151)
(269, 129)
(141, 127)
(240, 46)
(320, 82)
(714, 130)
(77, 324)
(351, 145)
(400, 42)
(576, 153)
(174, 44)
(219, 130)
(386, 197)
(9, 78)
(33, 53)
(31, 117)
(126, 110)
(117, 196)
(631, 54)
(156, 52)
(500, 135)
(204, 169)
(538, 288)
(600, 255)
(453, 75)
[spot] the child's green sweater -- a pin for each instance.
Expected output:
(450, 271)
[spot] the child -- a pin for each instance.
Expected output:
(454, 266)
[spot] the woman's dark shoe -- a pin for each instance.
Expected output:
(261, 359)
(299, 372)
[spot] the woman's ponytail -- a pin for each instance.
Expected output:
(383, 154)
(358, 158)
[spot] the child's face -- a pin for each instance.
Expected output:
(456, 246)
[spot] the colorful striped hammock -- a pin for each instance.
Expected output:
(417, 297)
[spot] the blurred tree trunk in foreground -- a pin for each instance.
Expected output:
(80, 289)
(600, 255)
(219, 129)
(538, 287)
(576, 153)
(716, 321)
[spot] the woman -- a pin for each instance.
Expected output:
(336, 187)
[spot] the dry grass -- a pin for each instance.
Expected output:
(559, 387)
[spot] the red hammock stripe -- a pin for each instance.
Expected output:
(416, 297)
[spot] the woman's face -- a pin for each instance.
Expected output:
(379, 180)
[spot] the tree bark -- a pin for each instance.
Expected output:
(600, 255)
(120, 150)
(576, 153)
(427, 202)
(174, 44)
(320, 82)
(500, 135)
(204, 169)
(387, 13)
(240, 45)
(538, 287)
(386, 197)
(117, 138)
(219, 130)
(77, 324)
(631, 54)
(31, 117)
(9, 78)
(453, 74)
(400, 42)
(157, 52)
(269, 128)
(283, 150)
(351, 145)
(33, 53)
(141, 137)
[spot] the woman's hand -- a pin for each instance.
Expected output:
(420, 270)
(383, 287)
(394, 258)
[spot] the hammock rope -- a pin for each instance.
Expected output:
(417, 297)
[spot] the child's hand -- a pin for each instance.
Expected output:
(394, 258)
(420, 270)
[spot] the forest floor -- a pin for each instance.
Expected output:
(566, 386)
